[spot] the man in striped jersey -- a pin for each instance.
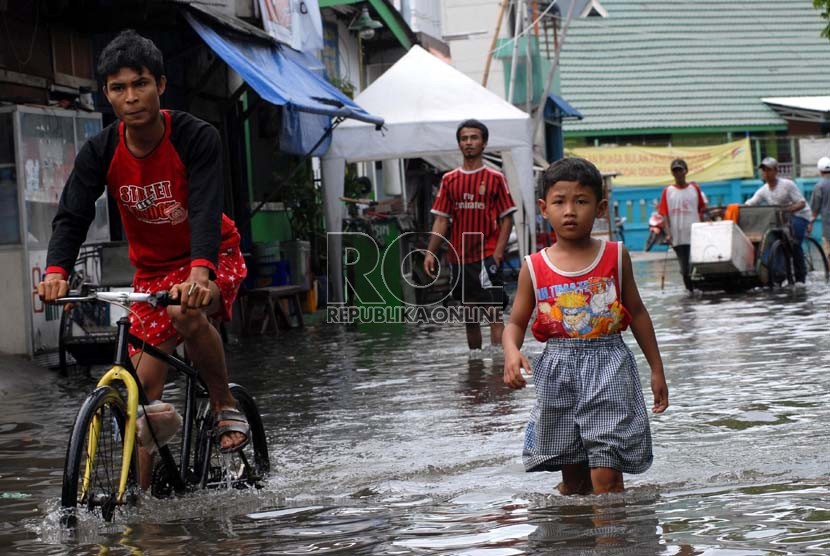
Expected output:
(475, 206)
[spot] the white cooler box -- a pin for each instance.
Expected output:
(720, 247)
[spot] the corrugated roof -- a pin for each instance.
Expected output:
(675, 64)
(817, 104)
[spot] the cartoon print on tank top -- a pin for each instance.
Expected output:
(585, 309)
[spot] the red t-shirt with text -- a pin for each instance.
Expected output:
(474, 201)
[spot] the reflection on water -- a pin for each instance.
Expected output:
(391, 441)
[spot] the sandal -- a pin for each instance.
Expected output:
(230, 414)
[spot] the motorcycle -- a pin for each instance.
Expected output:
(656, 230)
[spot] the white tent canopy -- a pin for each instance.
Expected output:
(422, 100)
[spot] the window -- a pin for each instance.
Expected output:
(72, 59)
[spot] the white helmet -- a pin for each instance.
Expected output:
(824, 164)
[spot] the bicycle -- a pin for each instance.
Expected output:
(815, 258)
(101, 467)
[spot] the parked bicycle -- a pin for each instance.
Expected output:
(101, 468)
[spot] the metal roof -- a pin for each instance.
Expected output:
(672, 66)
(816, 104)
(558, 108)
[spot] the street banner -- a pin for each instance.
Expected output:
(650, 165)
(296, 23)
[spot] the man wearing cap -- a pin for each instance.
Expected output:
(785, 193)
(820, 202)
(682, 204)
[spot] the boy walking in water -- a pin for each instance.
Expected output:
(590, 418)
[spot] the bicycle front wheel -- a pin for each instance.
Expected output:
(815, 259)
(780, 261)
(241, 469)
(95, 457)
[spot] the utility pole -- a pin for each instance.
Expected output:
(518, 14)
(502, 8)
(557, 45)
(528, 61)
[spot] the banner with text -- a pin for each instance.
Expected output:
(650, 165)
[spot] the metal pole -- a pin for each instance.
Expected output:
(757, 152)
(528, 66)
(793, 158)
(514, 59)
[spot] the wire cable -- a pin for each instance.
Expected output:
(22, 63)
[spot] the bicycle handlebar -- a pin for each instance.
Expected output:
(158, 299)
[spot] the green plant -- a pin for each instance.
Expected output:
(345, 86)
(354, 186)
(303, 200)
(824, 6)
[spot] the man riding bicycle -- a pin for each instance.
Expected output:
(164, 169)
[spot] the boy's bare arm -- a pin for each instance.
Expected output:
(643, 330)
(514, 333)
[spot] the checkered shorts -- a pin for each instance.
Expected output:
(153, 325)
(589, 408)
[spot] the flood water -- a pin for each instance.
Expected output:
(392, 441)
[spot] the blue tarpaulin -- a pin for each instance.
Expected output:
(308, 99)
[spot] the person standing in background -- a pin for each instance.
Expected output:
(474, 205)
(682, 204)
(820, 202)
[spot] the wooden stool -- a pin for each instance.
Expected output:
(268, 301)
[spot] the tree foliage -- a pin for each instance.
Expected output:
(824, 6)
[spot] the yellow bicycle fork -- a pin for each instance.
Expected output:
(114, 374)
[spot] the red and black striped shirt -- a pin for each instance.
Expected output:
(474, 201)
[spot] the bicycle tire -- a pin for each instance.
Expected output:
(100, 499)
(776, 275)
(245, 468)
(815, 259)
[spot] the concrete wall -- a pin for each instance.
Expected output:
(469, 55)
(425, 16)
(13, 323)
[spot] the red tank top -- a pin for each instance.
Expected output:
(582, 304)
(153, 199)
